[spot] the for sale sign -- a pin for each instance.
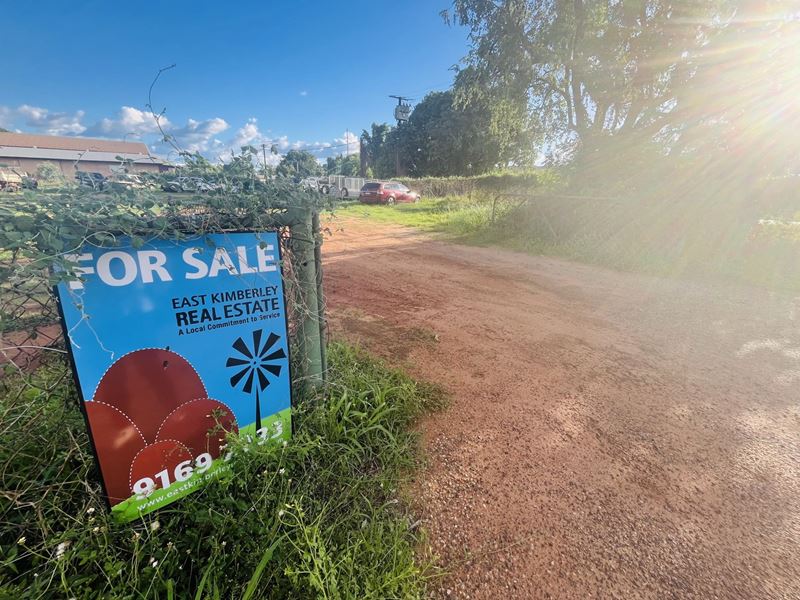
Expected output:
(175, 345)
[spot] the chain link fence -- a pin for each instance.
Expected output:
(42, 230)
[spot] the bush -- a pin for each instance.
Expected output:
(49, 172)
(319, 517)
(492, 183)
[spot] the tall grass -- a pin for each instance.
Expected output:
(747, 237)
(322, 517)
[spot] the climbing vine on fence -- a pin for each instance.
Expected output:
(40, 229)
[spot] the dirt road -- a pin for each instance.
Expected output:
(610, 435)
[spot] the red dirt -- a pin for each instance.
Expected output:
(611, 435)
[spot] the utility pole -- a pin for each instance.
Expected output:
(264, 152)
(362, 158)
(401, 112)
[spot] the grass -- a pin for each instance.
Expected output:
(719, 236)
(456, 216)
(322, 517)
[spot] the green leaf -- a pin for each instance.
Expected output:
(256, 577)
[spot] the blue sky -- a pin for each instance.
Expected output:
(298, 73)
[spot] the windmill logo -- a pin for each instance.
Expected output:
(255, 364)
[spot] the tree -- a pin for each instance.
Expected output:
(443, 138)
(342, 165)
(373, 144)
(48, 171)
(245, 168)
(298, 164)
(740, 112)
(589, 69)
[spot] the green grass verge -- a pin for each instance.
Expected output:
(457, 216)
(720, 236)
(321, 517)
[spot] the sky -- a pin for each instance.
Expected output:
(297, 74)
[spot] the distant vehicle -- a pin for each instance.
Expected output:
(386, 192)
(189, 184)
(334, 185)
(88, 179)
(10, 180)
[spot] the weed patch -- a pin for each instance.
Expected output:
(321, 517)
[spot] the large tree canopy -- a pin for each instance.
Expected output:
(587, 67)
(683, 75)
(442, 138)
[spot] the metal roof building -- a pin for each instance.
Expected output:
(69, 154)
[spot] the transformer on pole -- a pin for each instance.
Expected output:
(403, 109)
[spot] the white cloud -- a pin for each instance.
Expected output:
(250, 135)
(304, 93)
(349, 143)
(203, 136)
(198, 136)
(51, 123)
(129, 121)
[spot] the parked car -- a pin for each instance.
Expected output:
(386, 192)
(96, 181)
(189, 184)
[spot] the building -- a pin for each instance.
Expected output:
(70, 154)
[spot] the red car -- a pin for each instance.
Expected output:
(386, 192)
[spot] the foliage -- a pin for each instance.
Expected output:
(40, 228)
(343, 165)
(619, 85)
(589, 68)
(496, 182)
(49, 172)
(247, 168)
(378, 150)
(747, 233)
(319, 517)
(738, 115)
(298, 164)
(445, 139)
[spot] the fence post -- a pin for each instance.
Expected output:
(323, 323)
(304, 265)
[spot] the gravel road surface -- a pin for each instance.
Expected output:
(610, 435)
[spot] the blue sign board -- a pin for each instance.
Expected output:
(177, 344)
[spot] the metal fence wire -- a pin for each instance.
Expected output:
(30, 327)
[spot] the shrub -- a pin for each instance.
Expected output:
(49, 172)
(494, 183)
